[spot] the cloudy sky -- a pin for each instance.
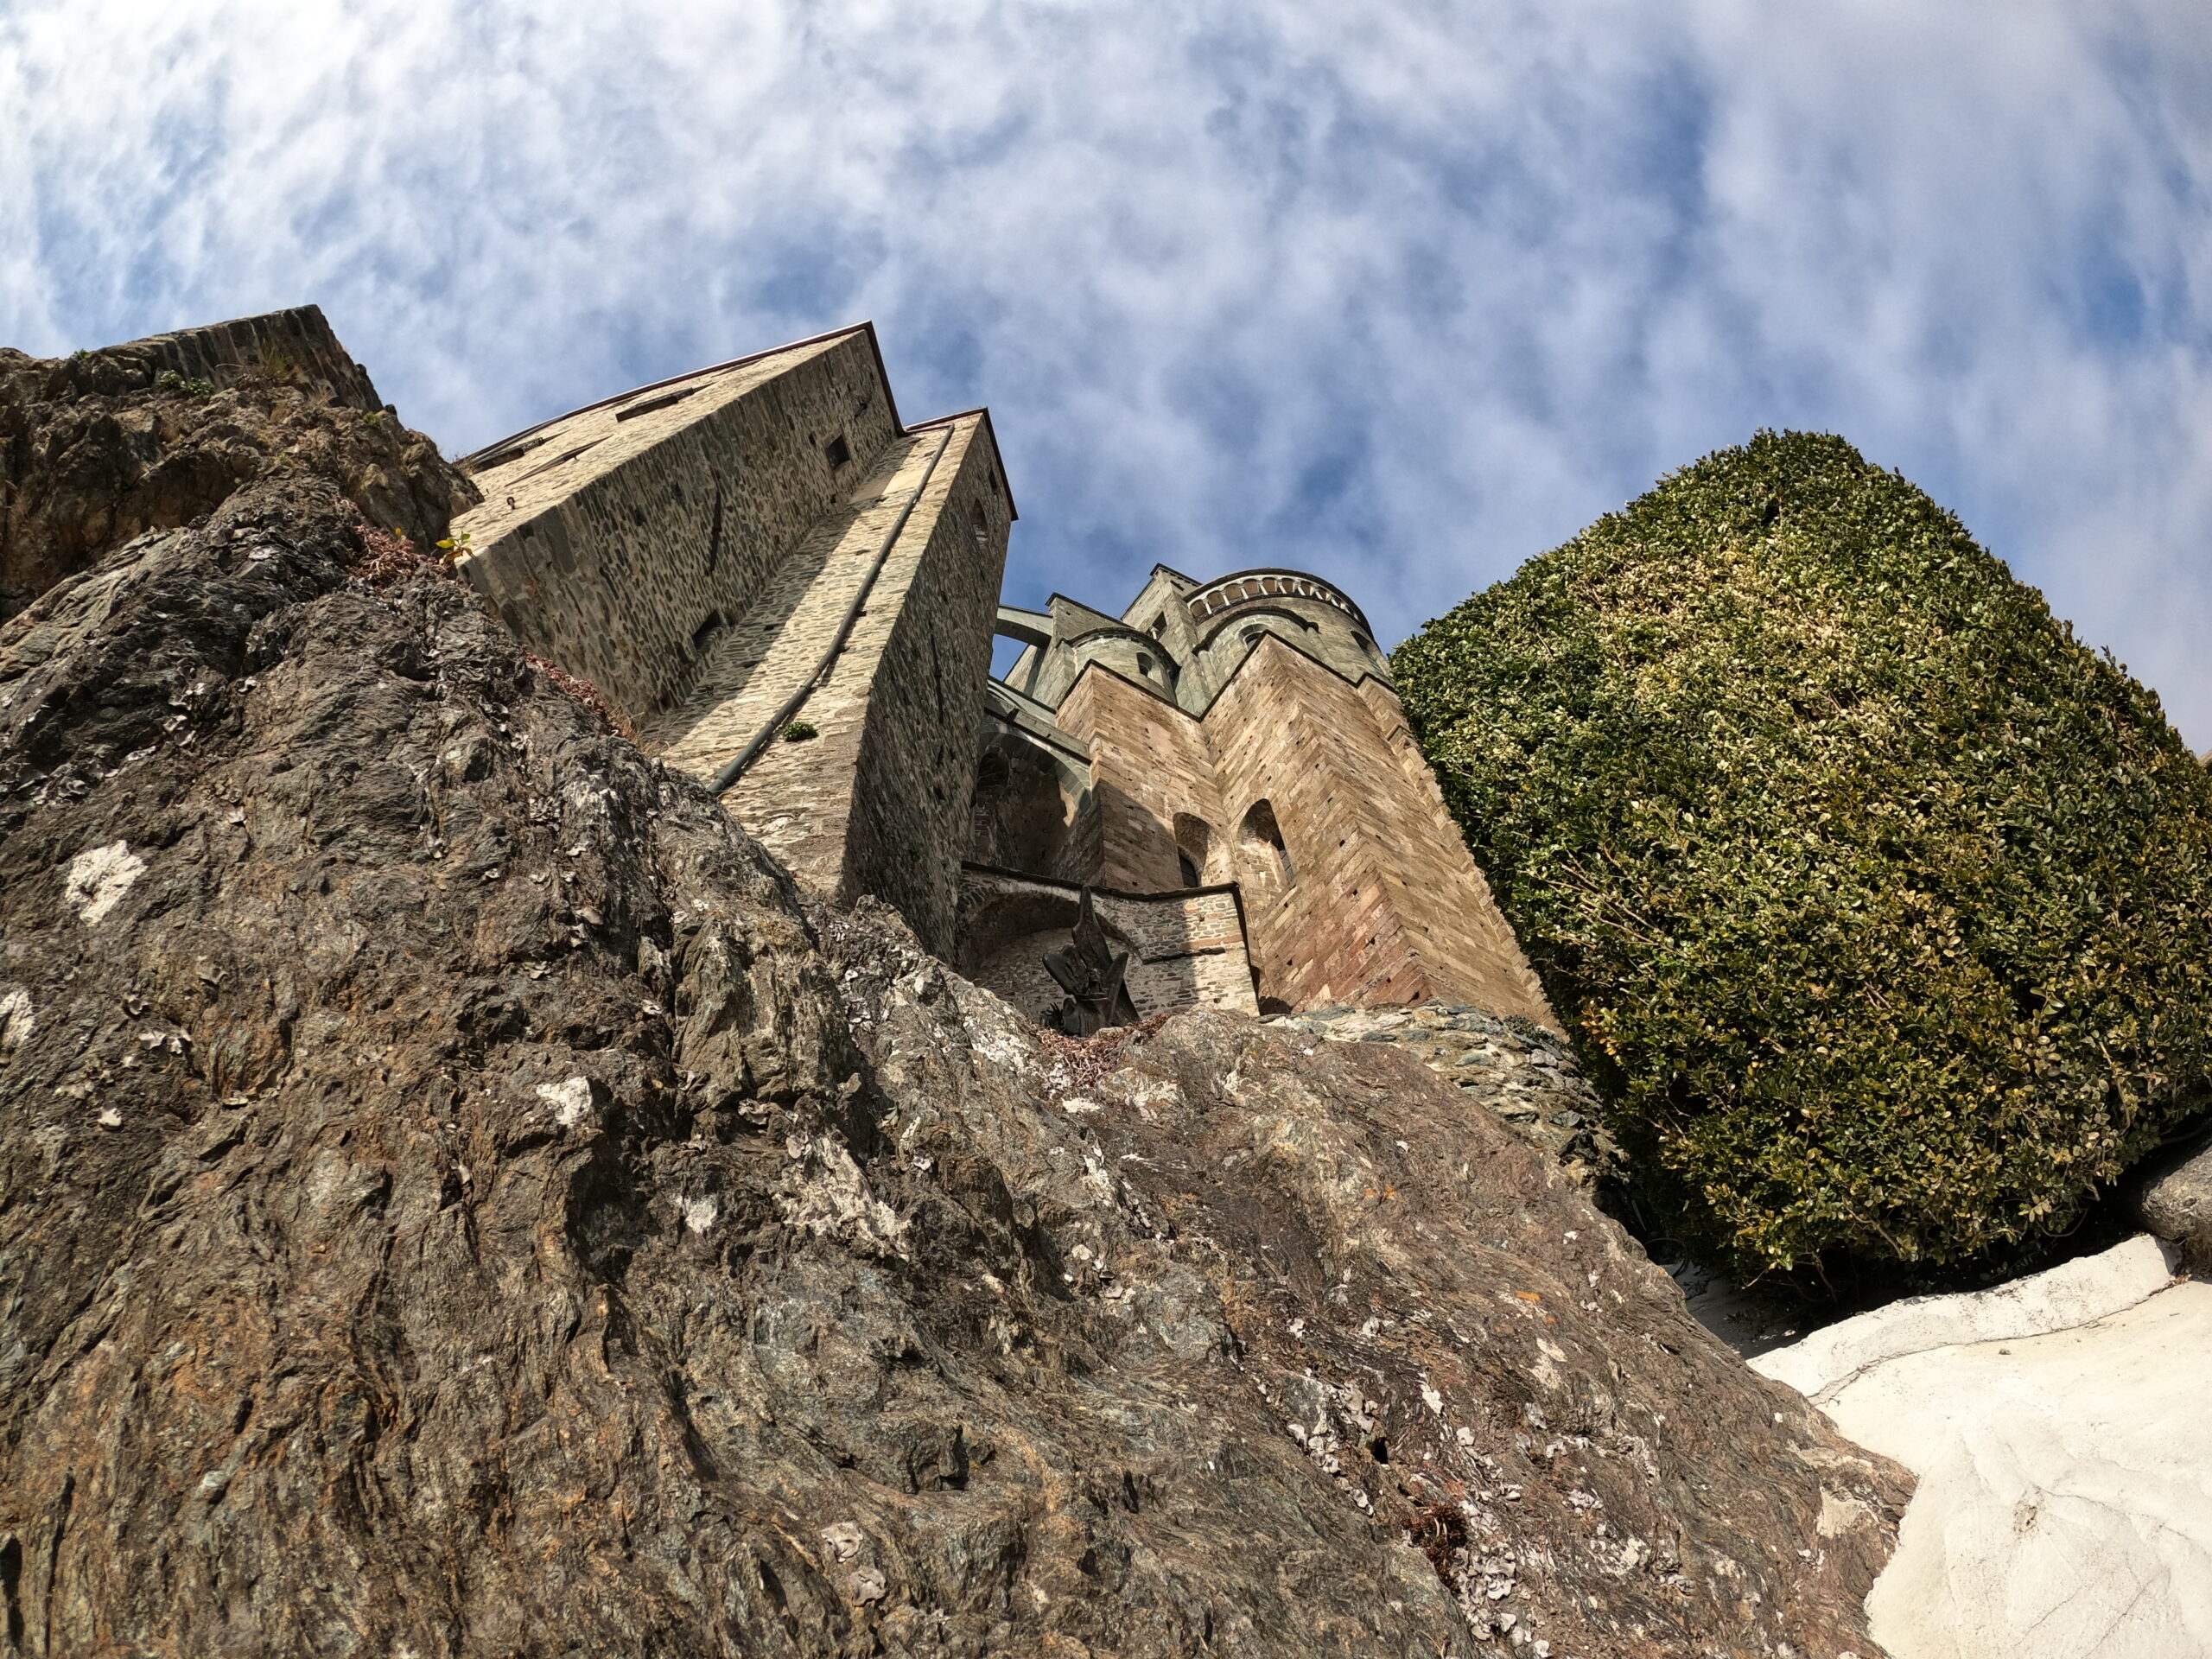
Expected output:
(1401, 292)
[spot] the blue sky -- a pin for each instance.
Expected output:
(1401, 293)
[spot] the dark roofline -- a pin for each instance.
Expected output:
(875, 350)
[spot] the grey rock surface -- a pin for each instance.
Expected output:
(1524, 1073)
(2176, 1204)
(457, 1199)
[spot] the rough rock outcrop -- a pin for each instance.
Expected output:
(456, 1197)
(1523, 1072)
(103, 446)
(2175, 1202)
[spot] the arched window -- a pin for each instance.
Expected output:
(1193, 847)
(1263, 838)
(1252, 637)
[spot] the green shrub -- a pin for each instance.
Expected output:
(799, 732)
(1882, 908)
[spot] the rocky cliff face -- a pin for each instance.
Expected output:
(457, 1198)
(101, 447)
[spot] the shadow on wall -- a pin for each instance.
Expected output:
(1266, 861)
(1194, 851)
(1022, 815)
(1006, 938)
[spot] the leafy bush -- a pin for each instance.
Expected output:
(1883, 907)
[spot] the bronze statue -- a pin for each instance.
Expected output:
(1090, 971)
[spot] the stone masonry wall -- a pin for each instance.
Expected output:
(877, 802)
(611, 539)
(1384, 907)
(1381, 902)
(1149, 762)
(915, 766)
(1186, 949)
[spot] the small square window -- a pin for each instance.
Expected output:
(837, 451)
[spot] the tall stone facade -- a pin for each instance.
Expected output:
(785, 589)
(1241, 731)
(790, 592)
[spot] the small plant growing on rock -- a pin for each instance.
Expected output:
(799, 732)
(453, 549)
(191, 386)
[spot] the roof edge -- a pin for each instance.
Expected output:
(868, 329)
(998, 455)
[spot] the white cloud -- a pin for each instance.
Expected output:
(1403, 292)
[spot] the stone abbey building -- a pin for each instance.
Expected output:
(793, 594)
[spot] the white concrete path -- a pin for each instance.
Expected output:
(2059, 1430)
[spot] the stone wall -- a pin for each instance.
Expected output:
(1031, 808)
(1184, 948)
(694, 548)
(1149, 761)
(1300, 782)
(617, 540)
(925, 669)
(1384, 903)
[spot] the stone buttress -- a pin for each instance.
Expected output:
(786, 592)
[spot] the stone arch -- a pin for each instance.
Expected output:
(1003, 943)
(1260, 841)
(1194, 849)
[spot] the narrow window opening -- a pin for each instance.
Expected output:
(1262, 837)
(1193, 847)
(837, 452)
